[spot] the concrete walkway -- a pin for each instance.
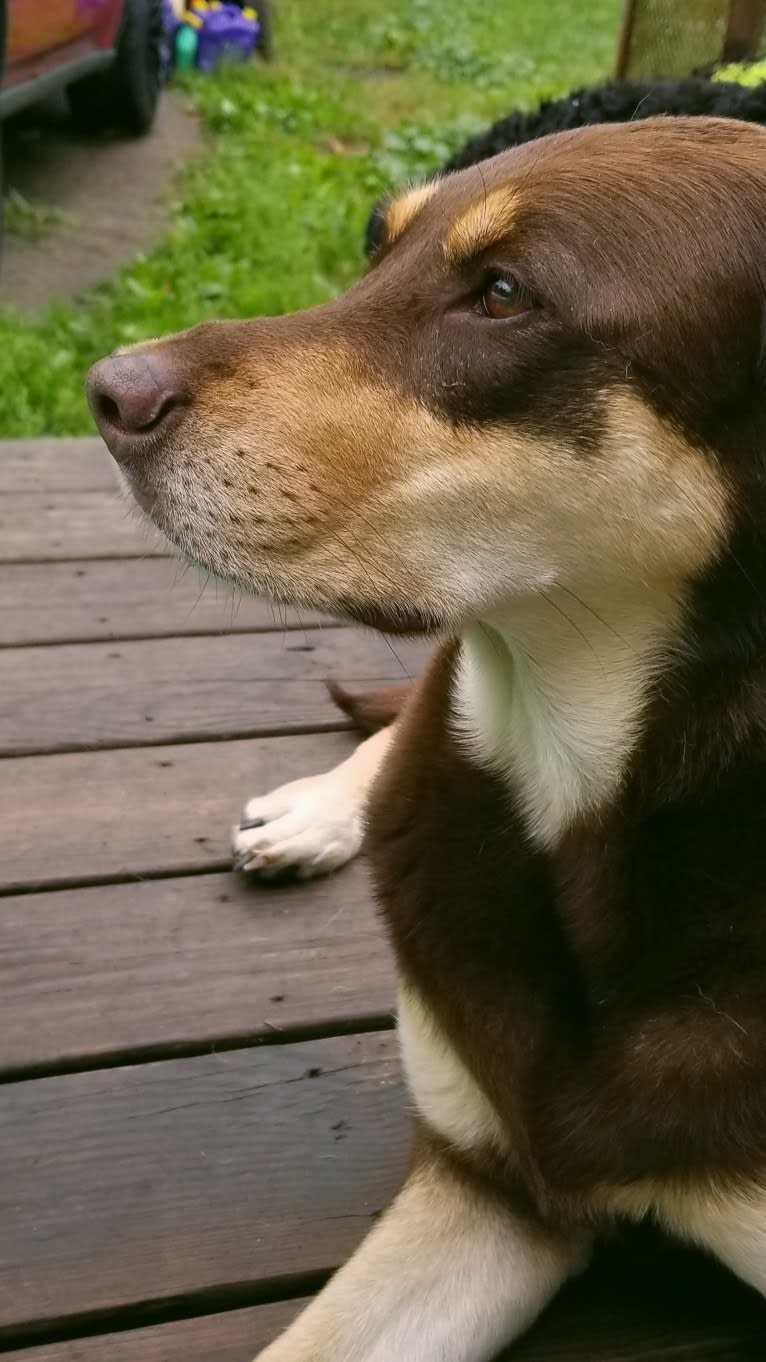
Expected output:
(111, 195)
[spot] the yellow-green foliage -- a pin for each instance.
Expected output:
(748, 73)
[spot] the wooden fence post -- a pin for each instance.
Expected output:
(626, 35)
(743, 29)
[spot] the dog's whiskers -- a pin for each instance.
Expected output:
(594, 613)
(574, 625)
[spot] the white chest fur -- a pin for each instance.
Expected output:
(553, 701)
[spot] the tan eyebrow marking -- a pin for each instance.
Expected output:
(404, 210)
(486, 221)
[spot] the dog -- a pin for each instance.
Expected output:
(536, 430)
(312, 827)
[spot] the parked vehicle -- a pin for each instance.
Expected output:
(106, 54)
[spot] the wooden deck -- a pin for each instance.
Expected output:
(201, 1110)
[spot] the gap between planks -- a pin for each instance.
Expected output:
(220, 631)
(187, 965)
(255, 1170)
(88, 601)
(192, 739)
(118, 816)
(113, 694)
(330, 1029)
(195, 1336)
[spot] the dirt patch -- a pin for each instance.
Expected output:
(93, 204)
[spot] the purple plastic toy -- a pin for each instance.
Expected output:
(170, 27)
(227, 32)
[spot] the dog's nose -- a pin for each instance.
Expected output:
(133, 396)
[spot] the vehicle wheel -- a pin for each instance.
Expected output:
(2, 187)
(125, 96)
(3, 32)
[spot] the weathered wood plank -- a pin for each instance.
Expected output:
(47, 526)
(169, 690)
(189, 961)
(148, 811)
(97, 599)
(231, 1337)
(52, 464)
(647, 1304)
(146, 1183)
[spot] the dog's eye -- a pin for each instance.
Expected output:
(504, 297)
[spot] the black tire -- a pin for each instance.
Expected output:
(3, 32)
(2, 189)
(124, 97)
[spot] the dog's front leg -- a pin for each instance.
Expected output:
(451, 1273)
(729, 1222)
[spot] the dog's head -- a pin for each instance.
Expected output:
(550, 374)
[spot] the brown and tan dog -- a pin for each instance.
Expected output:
(536, 427)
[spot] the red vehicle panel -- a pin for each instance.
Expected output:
(47, 35)
(107, 56)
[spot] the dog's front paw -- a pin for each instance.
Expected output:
(306, 828)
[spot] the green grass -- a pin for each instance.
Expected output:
(364, 95)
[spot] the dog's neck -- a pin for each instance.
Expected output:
(551, 693)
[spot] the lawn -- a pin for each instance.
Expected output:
(364, 95)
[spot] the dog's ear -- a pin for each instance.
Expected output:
(373, 232)
(373, 709)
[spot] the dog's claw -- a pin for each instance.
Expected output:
(249, 860)
(306, 828)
